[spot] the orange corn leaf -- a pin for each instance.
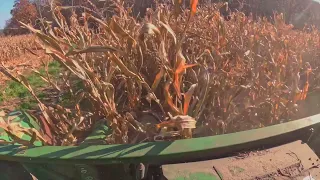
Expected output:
(193, 5)
(303, 94)
(169, 98)
(178, 76)
(157, 79)
(305, 91)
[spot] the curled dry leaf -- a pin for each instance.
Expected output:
(168, 28)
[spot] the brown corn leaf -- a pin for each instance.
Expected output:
(117, 29)
(52, 43)
(123, 67)
(66, 62)
(114, 26)
(104, 25)
(168, 28)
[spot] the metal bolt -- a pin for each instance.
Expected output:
(312, 131)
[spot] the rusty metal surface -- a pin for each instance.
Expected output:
(291, 161)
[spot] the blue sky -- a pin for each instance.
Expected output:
(5, 8)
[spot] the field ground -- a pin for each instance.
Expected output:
(12, 94)
(15, 54)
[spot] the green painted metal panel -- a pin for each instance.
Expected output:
(158, 152)
(98, 136)
(47, 171)
(43, 172)
(13, 171)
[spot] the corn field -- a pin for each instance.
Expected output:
(15, 46)
(176, 74)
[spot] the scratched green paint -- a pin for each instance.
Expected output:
(198, 176)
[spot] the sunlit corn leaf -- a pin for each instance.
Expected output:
(66, 62)
(104, 25)
(52, 43)
(187, 98)
(119, 30)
